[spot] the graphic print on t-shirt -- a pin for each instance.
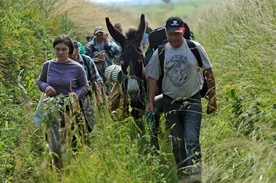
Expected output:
(178, 70)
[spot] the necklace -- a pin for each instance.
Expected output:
(61, 74)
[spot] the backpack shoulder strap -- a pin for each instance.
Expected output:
(161, 55)
(194, 50)
(87, 66)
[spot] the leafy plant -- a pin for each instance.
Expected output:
(238, 141)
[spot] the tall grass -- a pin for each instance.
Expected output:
(182, 9)
(238, 141)
(239, 37)
(86, 16)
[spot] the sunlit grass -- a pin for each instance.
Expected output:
(238, 141)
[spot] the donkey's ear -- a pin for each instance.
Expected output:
(115, 34)
(142, 27)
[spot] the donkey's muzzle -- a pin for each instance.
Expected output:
(133, 89)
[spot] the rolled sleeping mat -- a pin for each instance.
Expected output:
(114, 73)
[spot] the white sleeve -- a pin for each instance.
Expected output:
(153, 69)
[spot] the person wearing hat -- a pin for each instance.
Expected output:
(181, 85)
(103, 51)
(101, 42)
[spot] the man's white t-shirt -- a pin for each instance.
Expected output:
(182, 75)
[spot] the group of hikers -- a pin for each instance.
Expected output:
(78, 71)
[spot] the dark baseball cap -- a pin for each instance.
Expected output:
(175, 24)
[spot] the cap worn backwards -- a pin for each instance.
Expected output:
(175, 24)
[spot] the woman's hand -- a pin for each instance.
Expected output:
(74, 95)
(50, 91)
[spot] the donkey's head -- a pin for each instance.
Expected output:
(132, 57)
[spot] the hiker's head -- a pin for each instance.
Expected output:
(75, 53)
(118, 26)
(175, 24)
(175, 30)
(100, 34)
(63, 47)
(98, 30)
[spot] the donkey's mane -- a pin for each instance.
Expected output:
(132, 40)
(131, 34)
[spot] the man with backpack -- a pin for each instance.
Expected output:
(182, 81)
(102, 48)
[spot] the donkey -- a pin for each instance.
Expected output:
(134, 82)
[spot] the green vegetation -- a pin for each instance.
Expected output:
(238, 141)
(158, 13)
(239, 37)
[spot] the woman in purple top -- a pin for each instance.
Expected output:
(65, 76)
(62, 76)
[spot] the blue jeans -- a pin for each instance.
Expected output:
(183, 118)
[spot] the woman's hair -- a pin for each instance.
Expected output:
(66, 40)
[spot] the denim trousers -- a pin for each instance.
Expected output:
(183, 119)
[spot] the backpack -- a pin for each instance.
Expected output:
(87, 103)
(89, 38)
(157, 40)
(87, 65)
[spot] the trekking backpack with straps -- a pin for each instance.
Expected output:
(158, 39)
(87, 65)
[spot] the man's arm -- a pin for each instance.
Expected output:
(112, 48)
(212, 104)
(152, 84)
